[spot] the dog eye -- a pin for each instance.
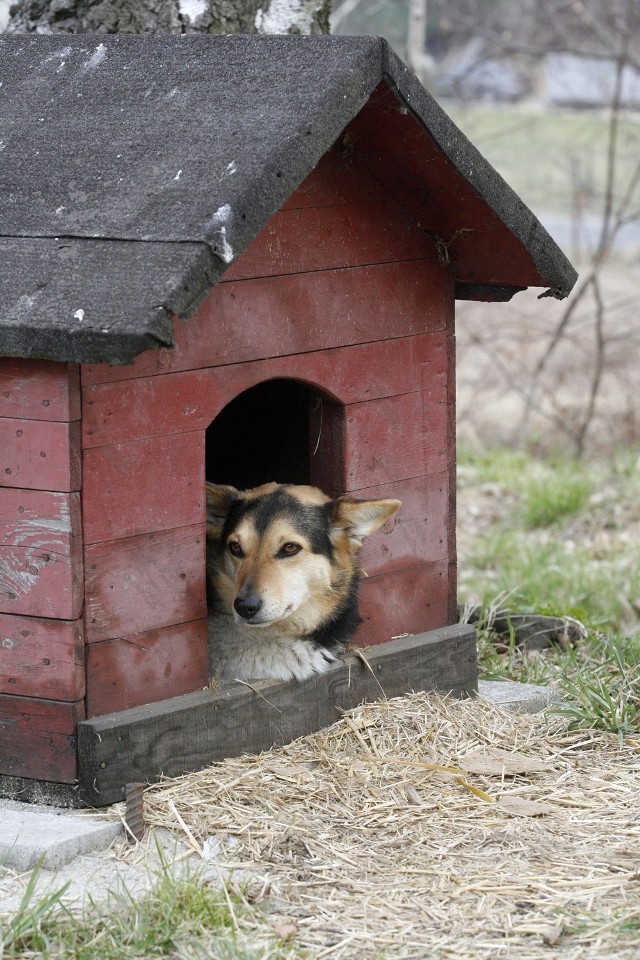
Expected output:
(289, 549)
(235, 549)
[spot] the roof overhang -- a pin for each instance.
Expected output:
(134, 169)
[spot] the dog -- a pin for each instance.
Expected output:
(282, 578)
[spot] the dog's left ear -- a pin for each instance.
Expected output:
(359, 518)
(220, 499)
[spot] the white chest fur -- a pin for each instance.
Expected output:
(237, 653)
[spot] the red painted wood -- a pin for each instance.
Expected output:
(175, 403)
(41, 658)
(453, 592)
(395, 438)
(40, 554)
(40, 455)
(142, 487)
(278, 316)
(38, 738)
(339, 177)
(323, 238)
(39, 389)
(403, 157)
(39, 583)
(142, 583)
(40, 518)
(146, 667)
(406, 601)
(417, 533)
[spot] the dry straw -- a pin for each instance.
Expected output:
(378, 837)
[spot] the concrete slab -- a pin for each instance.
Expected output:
(518, 697)
(29, 833)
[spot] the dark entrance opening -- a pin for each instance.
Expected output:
(272, 431)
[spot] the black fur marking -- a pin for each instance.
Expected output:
(335, 634)
(310, 520)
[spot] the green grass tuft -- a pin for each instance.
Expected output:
(558, 538)
(548, 500)
(184, 917)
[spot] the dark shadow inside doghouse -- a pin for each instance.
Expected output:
(279, 430)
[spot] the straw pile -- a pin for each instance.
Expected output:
(354, 842)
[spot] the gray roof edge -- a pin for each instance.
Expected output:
(226, 235)
(93, 347)
(554, 267)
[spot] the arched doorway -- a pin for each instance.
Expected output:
(278, 430)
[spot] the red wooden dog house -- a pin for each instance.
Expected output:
(342, 213)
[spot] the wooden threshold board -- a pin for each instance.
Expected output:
(189, 732)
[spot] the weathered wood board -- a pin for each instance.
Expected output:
(187, 733)
(40, 454)
(39, 389)
(42, 658)
(302, 312)
(144, 583)
(142, 487)
(145, 667)
(40, 553)
(38, 738)
(189, 400)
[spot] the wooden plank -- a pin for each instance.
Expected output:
(339, 177)
(40, 519)
(178, 402)
(278, 316)
(42, 658)
(39, 390)
(40, 455)
(411, 600)
(38, 738)
(417, 533)
(303, 239)
(141, 487)
(395, 438)
(145, 582)
(481, 249)
(146, 667)
(187, 733)
(40, 554)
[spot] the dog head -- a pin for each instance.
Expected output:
(286, 555)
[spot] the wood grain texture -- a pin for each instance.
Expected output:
(417, 533)
(339, 177)
(39, 390)
(40, 553)
(146, 582)
(146, 667)
(189, 732)
(144, 486)
(40, 455)
(301, 240)
(178, 402)
(42, 658)
(410, 600)
(38, 738)
(479, 247)
(395, 438)
(278, 316)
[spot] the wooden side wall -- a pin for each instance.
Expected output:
(42, 664)
(341, 290)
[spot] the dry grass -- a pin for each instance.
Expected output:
(352, 843)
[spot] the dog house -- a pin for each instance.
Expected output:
(231, 257)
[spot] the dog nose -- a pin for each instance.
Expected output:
(247, 605)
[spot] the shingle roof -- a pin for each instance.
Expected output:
(134, 168)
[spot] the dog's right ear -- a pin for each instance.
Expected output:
(220, 499)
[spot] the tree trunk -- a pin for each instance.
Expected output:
(170, 16)
(417, 59)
